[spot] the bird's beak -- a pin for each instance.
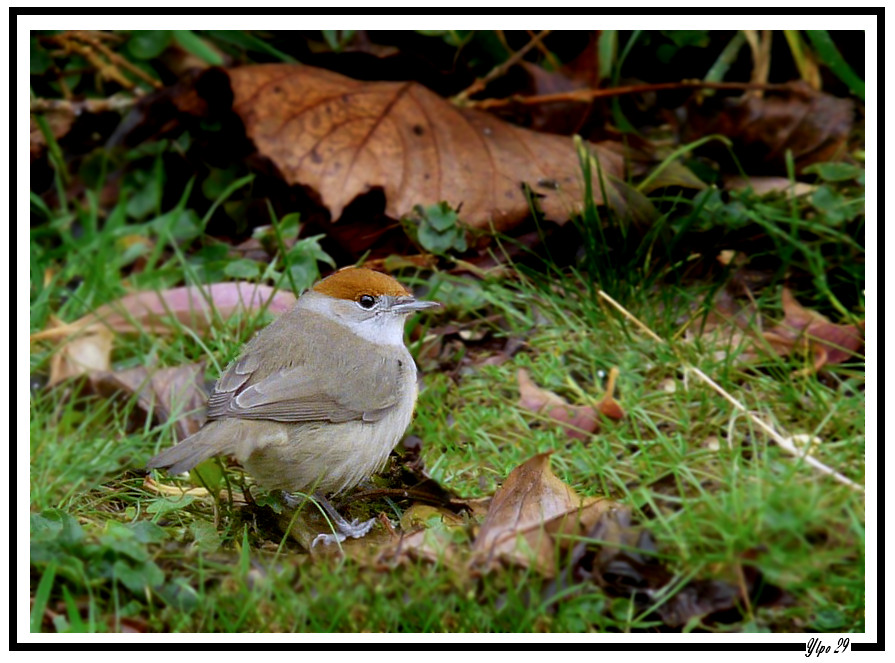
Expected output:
(411, 304)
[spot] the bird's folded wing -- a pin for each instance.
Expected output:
(296, 394)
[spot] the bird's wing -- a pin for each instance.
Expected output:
(347, 389)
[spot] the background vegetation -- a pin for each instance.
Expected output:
(726, 198)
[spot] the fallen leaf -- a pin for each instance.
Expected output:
(828, 343)
(436, 545)
(674, 174)
(86, 351)
(195, 306)
(59, 121)
(86, 344)
(529, 514)
(579, 421)
(730, 326)
(344, 137)
(812, 125)
(129, 625)
(765, 184)
(167, 393)
(562, 116)
(629, 203)
(198, 492)
(621, 558)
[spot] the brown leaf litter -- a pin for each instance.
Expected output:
(343, 137)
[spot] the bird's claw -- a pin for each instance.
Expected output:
(355, 530)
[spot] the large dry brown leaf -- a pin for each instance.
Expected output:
(814, 126)
(343, 137)
(86, 344)
(528, 512)
(195, 306)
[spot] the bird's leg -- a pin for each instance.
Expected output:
(343, 529)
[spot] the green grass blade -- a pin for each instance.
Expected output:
(42, 597)
(191, 42)
(830, 56)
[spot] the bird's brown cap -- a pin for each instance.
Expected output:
(353, 282)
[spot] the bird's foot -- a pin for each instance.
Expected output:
(342, 529)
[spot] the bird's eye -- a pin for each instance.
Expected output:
(366, 301)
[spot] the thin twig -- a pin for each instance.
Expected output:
(93, 50)
(479, 84)
(116, 60)
(114, 103)
(554, 62)
(783, 441)
(587, 95)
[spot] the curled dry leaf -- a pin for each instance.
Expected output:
(343, 137)
(828, 343)
(86, 344)
(814, 126)
(730, 326)
(199, 492)
(620, 557)
(427, 544)
(579, 421)
(86, 351)
(529, 516)
(427, 535)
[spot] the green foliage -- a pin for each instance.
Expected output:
(338, 39)
(248, 43)
(40, 60)
(106, 548)
(837, 172)
(830, 56)
(680, 39)
(437, 228)
(196, 45)
(117, 556)
(147, 44)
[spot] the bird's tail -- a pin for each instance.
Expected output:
(207, 442)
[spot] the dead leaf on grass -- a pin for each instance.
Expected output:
(85, 351)
(762, 185)
(344, 137)
(730, 325)
(529, 514)
(86, 344)
(814, 126)
(828, 343)
(578, 421)
(436, 545)
(620, 557)
(195, 306)
(176, 392)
